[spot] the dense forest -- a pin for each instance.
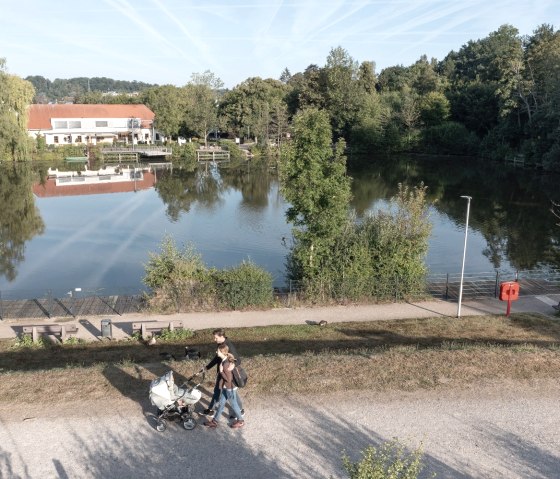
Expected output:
(495, 98)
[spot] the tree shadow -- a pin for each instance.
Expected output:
(175, 453)
(328, 435)
(524, 456)
(285, 437)
(7, 466)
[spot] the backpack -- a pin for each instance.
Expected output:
(240, 377)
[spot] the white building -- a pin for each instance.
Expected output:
(66, 124)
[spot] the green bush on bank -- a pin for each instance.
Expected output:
(180, 281)
(379, 259)
(59, 152)
(243, 286)
(185, 153)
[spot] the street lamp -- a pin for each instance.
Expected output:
(468, 198)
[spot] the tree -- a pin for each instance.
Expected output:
(169, 103)
(314, 182)
(434, 108)
(308, 89)
(256, 108)
(202, 103)
(15, 96)
(343, 97)
(394, 78)
(367, 80)
(285, 76)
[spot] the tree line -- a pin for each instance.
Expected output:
(496, 98)
(63, 90)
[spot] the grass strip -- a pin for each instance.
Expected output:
(403, 355)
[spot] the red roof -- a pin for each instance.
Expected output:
(40, 115)
(49, 187)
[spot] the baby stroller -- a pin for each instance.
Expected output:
(173, 401)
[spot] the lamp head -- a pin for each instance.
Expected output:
(466, 197)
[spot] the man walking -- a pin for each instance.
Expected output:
(219, 336)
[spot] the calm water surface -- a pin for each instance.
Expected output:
(60, 238)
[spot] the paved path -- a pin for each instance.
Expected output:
(90, 326)
(485, 433)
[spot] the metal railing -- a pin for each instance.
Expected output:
(18, 304)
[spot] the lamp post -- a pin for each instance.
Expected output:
(468, 198)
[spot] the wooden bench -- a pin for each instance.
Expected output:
(149, 328)
(62, 330)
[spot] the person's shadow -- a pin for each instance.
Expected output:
(136, 385)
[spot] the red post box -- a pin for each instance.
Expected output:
(509, 291)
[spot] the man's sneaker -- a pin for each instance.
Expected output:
(208, 412)
(211, 424)
(237, 424)
(233, 416)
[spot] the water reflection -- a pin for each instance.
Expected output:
(231, 214)
(181, 187)
(20, 220)
(205, 186)
(510, 207)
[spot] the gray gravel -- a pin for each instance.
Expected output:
(486, 432)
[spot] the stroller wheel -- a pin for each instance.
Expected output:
(161, 425)
(189, 423)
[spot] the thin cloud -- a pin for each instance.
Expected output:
(128, 11)
(199, 45)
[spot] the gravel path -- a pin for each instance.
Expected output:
(486, 432)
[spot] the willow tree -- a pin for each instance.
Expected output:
(15, 96)
(314, 182)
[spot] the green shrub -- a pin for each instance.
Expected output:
(26, 341)
(73, 340)
(237, 155)
(181, 282)
(243, 286)
(175, 334)
(171, 264)
(387, 461)
(186, 152)
(380, 258)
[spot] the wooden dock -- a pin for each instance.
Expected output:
(136, 152)
(212, 154)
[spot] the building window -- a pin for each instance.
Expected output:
(61, 124)
(56, 139)
(134, 123)
(146, 136)
(101, 124)
(75, 124)
(79, 139)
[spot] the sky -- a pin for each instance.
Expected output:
(166, 41)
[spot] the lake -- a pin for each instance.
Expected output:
(96, 236)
